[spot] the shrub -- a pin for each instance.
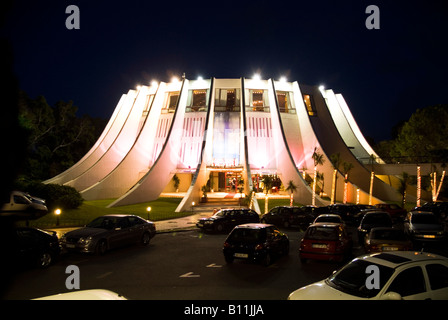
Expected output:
(55, 195)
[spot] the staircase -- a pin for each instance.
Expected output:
(217, 203)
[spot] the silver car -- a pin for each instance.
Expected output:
(108, 232)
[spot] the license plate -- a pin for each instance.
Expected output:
(390, 248)
(430, 236)
(319, 245)
(69, 245)
(241, 255)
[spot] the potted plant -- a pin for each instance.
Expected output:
(204, 193)
(176, 182)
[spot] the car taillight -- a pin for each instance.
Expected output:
(226, 245)
(259, 246)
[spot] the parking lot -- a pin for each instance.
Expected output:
(183, 265)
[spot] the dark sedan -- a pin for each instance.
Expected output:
(226, 219)
(287, 216)
(373, 219)
(35, 247)
(424, 226)
(109, 232)
(256, 242)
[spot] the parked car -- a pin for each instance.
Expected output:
(334, 218)
(325, 241)
(288, 216)
(314, 210)
(373, 219)
(387, 239)
(22, 205)
(107, 232)
(362, 210)
(346, 211)
(439, 208)
(226, 219)
(90, 294)
(396, 212)
(35, 247)
(424, 226)
(257, 242)
(403, 275)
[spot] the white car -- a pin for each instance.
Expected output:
(329, 217)
(93, 294)
(406, 275)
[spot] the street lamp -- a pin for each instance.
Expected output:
(148, 210)
(57, 212)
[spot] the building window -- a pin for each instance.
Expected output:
(257, 100)
(227, 100)
(197, 100)
(309, 103)
(285, 103)
(171, 102)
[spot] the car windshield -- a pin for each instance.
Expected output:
(247, 235)
(352, 278)
(220, 213)
(388, 234)
(322, 233)
(381, 219)
(328, 219)
(424, 218)
(103, 223)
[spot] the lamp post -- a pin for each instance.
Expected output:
(57, 212)
(148, 210)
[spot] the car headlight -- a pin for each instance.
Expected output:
(85, 240)
(208, 222)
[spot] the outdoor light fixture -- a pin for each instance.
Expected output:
(57, 212)
(148, 210)
(256, 77)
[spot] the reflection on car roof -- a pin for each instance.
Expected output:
(401, 257)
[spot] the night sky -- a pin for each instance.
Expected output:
(384, 75)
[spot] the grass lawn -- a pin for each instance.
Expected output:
(161, 209)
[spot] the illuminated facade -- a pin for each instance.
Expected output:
(228, 133)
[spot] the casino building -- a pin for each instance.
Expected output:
(228, 134)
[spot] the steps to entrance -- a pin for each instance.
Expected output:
(221, 202)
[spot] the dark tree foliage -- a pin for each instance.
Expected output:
(423, 138)
(57, 136)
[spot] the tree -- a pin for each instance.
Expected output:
(318, 159)
(347, 167)
(57, 137)
(267, 182)
(402, 187)
(422, 138)
(335, 159)
(291, 188)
